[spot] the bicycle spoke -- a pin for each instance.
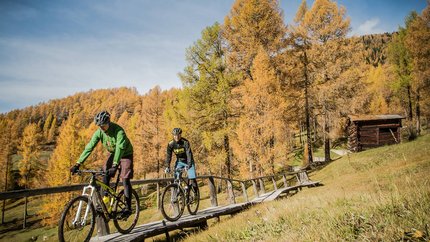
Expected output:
(126, 222)
(193, 201)
(173, 203)
(77, 221)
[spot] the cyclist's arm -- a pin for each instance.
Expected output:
(89, 147)
(120, 146)
(168, 155)
(188, 153)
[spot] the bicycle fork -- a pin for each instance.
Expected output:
(87, 191)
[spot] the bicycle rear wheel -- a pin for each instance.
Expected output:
(172, 202)
(193, 201)
(77, 221)
(125, 223)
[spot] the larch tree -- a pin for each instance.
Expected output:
(136, 134)
(377, 91)
(29, 148)
(30, 168)
(209, 86)
(153, 127)
(301, 77)
(5, 164)
(52, 129)
(47, 126)
(417, 41)
(69, 147)
(399, 58)
(261, 128)
(320, 38)
(249, 25)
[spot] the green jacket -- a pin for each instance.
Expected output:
(114, 140)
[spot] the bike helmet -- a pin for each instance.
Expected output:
(177, 131)
(102, 118)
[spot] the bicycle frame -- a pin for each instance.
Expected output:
(179, 179)
(91, 191)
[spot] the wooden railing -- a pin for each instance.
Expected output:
(258, 184)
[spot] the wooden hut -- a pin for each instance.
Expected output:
(369, 131)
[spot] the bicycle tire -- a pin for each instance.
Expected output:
(193, 201)
(172, 202)
(125, 225)
(69, 231)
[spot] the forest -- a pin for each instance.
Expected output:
(256, 93)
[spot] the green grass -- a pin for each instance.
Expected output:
(377, 195)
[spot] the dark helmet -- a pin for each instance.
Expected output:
(102, 118)
(177, 131)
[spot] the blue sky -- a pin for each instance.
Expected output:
(53, 49)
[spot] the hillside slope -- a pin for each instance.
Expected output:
(380, 194)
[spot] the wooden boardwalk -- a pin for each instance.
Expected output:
(199, 220)
(290, 181)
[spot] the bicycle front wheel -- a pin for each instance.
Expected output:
(77, 221)
(172, 202)
(193, 200)
(122, 221)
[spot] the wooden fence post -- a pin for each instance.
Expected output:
(298, 178)
(285, 181)
(263, 190)
(255, 188)
(25, 213)
(275, 187)
(102, 223)
(245, 195)
(231, 192)
(158, 196)
(212, 191)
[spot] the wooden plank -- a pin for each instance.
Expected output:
(156, 228)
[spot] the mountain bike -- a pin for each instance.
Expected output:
(178, 194)
(78, 218)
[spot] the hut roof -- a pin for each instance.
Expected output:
(354, 118)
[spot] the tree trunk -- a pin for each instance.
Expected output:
(418, 113)
(307, 111)
(410, 115)
(272, 157)
(326, 138)
(227, 158)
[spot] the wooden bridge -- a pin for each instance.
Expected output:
(289, 182)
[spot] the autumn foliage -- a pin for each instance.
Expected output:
(254, 88)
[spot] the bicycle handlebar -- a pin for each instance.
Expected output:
(96, 172)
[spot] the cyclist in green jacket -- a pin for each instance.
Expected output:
(114, 139)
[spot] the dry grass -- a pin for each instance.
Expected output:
(377, 195)
(380, 194)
